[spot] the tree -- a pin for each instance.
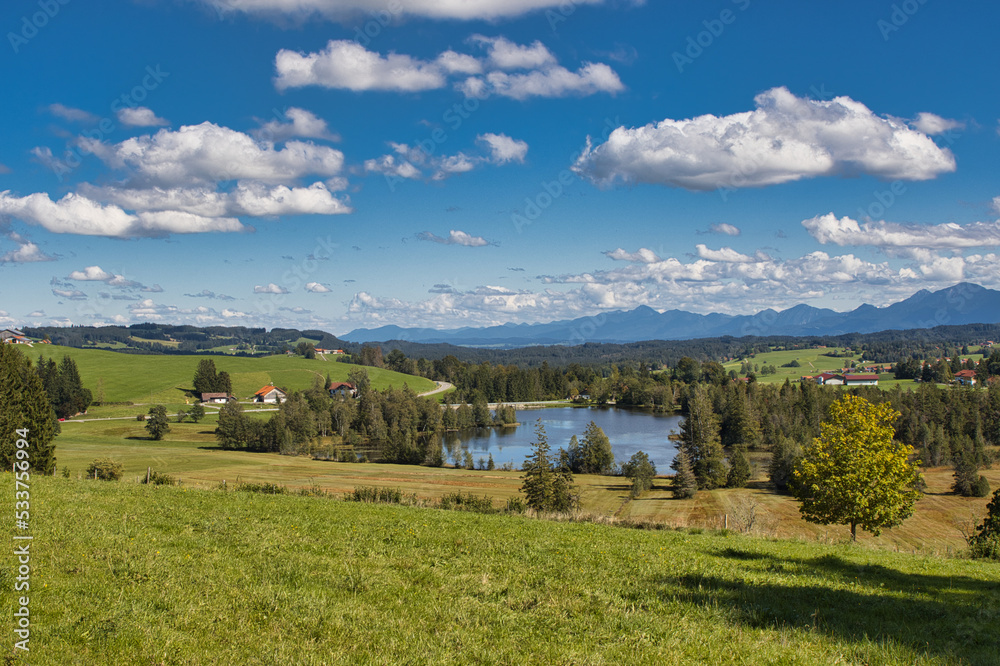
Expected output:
(205, 377)
(197, 413)
(641, 471)
(232, 428)
(157, 424)
(24, 406)
(545, 487)
(855, 473)
(700, 438)
(685, 484)
(595, 455)
(739, 468)
(985, 542)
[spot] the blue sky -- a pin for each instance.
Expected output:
(336, 165)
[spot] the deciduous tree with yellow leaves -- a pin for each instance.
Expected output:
(855, 473)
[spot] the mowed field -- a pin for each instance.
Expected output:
(159, 379)
(190, 453)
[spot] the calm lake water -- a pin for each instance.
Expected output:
(629, 431)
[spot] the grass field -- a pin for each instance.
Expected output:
(190, 452)
(167, 379)
(813, 362)
(130, 574)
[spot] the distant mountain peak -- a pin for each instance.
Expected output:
(963, 303)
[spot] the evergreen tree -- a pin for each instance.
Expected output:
(232, 428)
(205, 377)
(786, 455)
(157, 424)
(595, 455)
(685, 483)
(26, 414)
(739, 468)
(546, 488)
(223, 383)
(700, 438)
(490, 465)
(985, 542)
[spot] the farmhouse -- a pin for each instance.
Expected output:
(216, 397)
(966, 377)
(12, 336)
(342, 388)
(861, 380)
(270, 394)
(828, 378)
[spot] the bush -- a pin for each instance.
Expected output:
(375, 495)
(516, 505)
(467, 502)
(981, 488)
(262, 488)
(161, 479)
(105, 469)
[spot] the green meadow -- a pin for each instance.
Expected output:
(123, 573)
(168, 380)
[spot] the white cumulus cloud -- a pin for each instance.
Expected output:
(140, 116)
(503, 148)
(785, 138)
(296, 122)
(355, 10)
(269, 288)
(847, 231)
(317, 288)
(455, 237)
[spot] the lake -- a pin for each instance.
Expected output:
(629, 431)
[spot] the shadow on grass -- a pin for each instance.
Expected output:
(954, 617)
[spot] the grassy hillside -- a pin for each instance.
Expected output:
(123, 573)
(165, 379)
(190, 452)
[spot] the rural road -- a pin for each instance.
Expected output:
(441, 388)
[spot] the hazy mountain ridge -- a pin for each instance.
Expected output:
(964, 303)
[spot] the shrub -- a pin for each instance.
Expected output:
(467, 502)
(516, 505)
(375, 495)
(161, 479)
(105, 469)
(262, 488)
(981, 488)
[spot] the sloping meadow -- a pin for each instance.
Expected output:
(126, 573)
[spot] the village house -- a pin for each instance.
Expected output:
(342, 389)
(270, 394)
(216, 397)
(860, 380)
(12, 336)
(966, 377)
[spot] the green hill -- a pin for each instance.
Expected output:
(145, 378)
(123, 573)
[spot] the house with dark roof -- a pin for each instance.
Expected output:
(216, 397)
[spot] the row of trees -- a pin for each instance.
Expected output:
(26, 414)
(400, 426)
(63, 386)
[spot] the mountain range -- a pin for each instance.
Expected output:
(964, 303)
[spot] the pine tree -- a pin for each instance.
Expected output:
(685, 484)
(24, 406)
(545, 486)
(739, 468)
(596, 456)
(700, 438)
(641, 471)
(205, 377)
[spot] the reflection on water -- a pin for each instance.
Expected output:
(629, 431)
